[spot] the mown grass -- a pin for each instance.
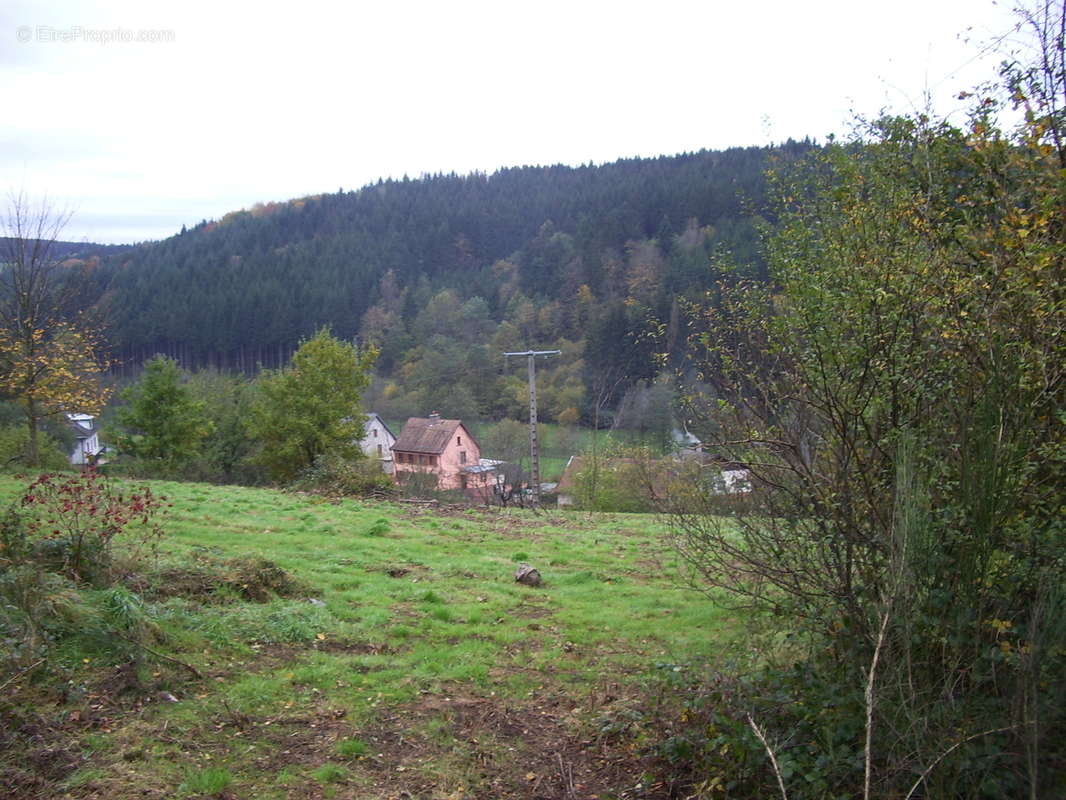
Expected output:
(402, 608)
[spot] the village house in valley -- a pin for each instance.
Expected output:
(442, 448)
(87, 449)
(378, 440)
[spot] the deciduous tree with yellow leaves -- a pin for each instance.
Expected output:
(50, 352)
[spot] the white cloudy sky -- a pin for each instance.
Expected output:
(260, 101)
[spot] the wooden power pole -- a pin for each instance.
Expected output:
(534, 449)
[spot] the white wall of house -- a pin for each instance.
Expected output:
(736, 481)
(88, 444)
(377, 441)
(84, 451)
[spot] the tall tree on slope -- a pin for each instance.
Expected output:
(49, 349)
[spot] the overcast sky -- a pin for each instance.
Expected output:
(229, 104)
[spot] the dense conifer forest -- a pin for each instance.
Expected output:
(443, 273)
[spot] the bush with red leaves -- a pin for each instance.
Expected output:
(74, 518)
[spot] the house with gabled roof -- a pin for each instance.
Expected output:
(444, 449)
(87, 449)
(378, 440)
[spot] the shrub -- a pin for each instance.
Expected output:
(896, 390)
(14, 448)
(33, 605)
(617, 479)
(72, 521)
(335, 475)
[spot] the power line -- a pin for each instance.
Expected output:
(534, 449)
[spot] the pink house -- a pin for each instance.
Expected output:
(440, 447)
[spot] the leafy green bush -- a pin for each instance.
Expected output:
(35, 606)
(615, 479)
(897, 390)
(310, 408)
(14, 444)
(163, 424)
(335, 475)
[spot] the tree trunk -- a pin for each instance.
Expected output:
(32, 454)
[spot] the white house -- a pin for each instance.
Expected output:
(87, 449)
(686, 444)
(734, 480)
(378, 440)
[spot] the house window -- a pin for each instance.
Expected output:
(379, 451)
(375, 432)
(462, 456)
(459, 440)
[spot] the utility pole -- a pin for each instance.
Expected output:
(534, 450)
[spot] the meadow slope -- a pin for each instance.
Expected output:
(356, 649)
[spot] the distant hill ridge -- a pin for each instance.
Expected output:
(247, 287)
(64, 250)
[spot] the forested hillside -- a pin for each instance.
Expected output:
(78, 250)
(445, 272)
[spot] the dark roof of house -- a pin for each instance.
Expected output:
(83, 425)
(428, 435)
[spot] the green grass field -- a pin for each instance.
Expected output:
(404, 661)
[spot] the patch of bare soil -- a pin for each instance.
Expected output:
(531, 609)
(488, 747)
(403, 570)
(441, 747)
(39, 748)
(452, 747)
